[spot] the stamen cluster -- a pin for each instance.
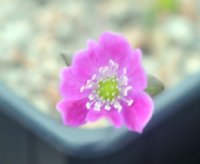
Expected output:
(108, 88)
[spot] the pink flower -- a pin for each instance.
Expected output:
(106, 80)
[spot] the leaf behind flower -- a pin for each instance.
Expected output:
(155, 86)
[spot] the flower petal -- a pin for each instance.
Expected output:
(84, 62)
(73, 112)
(113, 116)
(115, 47)
(136, 73)
(71, 81)
(84, 65)
(114, 43)
(93, 115)
(138, 115)
(97, 55)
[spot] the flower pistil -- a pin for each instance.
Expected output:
(107, 88)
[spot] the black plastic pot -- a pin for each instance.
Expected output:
(172, 136)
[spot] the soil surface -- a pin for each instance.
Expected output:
(34, 33)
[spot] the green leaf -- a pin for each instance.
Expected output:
(66, 57)
(155, 86)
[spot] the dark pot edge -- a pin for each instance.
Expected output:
(87, 143)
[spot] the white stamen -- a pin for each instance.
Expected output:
(100, 69)
(118, 106)
(94, 77)
(89, 84)
(107, 106)
(82, 88)
(111, 62)
(88, 105)
(129, 102)
(105, 73)
(91, 97)
(97, 106)
(123, 80)
(124, 71)
(125, 90)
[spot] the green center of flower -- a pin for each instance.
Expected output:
(108, 89)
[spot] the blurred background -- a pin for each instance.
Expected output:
(33, 33)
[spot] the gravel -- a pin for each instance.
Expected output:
(34, 33)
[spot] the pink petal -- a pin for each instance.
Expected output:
(84, 66)
(136, 73)
(115, 47)
(138, 115)
(71, 81)
(113, 116)
(84, 63)
(93, 116)
(114, 43)
(97, 55)
(73, 112)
